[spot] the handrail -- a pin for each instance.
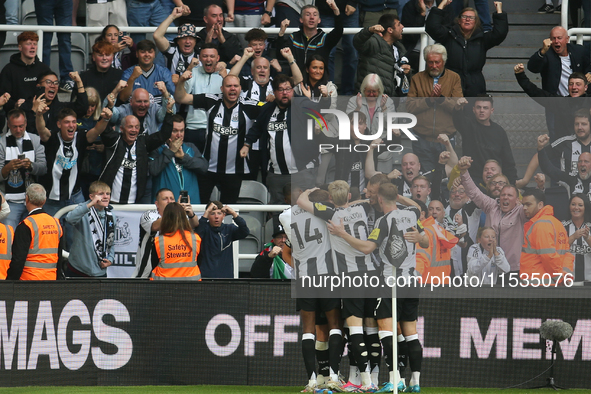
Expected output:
(564, 14)
(197, 208)
(39, 29)
(578, 34)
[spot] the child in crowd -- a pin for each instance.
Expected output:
(486, 260)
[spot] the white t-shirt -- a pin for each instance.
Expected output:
(566, 72)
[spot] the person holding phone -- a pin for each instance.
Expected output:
(181, 244)
(177, 165)
(22, 159)
(125, 49)
(104, 12)
(150, 222)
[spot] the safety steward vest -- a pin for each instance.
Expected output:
(436, 259)
(6, 235)
(545, 257)
(175, 260)
(41, 263)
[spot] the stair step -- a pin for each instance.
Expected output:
(524, 18)
(511, 52)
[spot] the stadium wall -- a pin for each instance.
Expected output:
(123, 332)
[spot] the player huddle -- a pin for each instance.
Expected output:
(331, 235)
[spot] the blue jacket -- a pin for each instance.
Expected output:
(158, 74)
(164, 172)
(216, 259)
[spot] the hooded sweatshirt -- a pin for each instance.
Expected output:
(19, 79)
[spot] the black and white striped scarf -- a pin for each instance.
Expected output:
(64, 172)
(18, 180)
(103, 236)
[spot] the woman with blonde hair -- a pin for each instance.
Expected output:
(92, 165)
(175, 250)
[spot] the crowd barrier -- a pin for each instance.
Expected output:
(127, 233)
(425, 39)
(125, 332)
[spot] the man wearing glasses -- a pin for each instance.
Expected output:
(289, 162)
(48, 81)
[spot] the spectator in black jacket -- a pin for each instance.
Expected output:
(467, 43)
(101, 75)
(19, 77)
(560, 109)
(414, 14)
(483, 138)
(49, 82)
(380, 51)
(548, 64)
(127, 159)
(310, 40)
(350, 16)
(229, 46)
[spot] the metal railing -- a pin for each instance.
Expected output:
(196, 208)
(40, 29)
(578, 34)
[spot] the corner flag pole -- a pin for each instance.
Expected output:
(394, 329)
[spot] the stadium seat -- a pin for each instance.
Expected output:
(28, 16)
(268, 229)
(252, 244)
(253, 192)
(215, 194)
(10, 47)
(79, 42)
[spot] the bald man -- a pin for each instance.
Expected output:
(410, 169)
(229, 118)
(141, 105)
(555, 61)
(127, 160)
(548, 61)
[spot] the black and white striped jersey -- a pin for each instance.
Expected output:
(310, 242)
(354, 217)
(568, 149)
(582, 252)
(253, 91)
(226, 129)
(394, 250)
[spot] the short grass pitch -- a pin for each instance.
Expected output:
(239, 390)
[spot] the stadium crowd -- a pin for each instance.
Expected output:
(168, 120)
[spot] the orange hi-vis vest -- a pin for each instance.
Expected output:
(436, 259)
(176, 261)
(41, 263)
(6, 236)
(545, 257)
